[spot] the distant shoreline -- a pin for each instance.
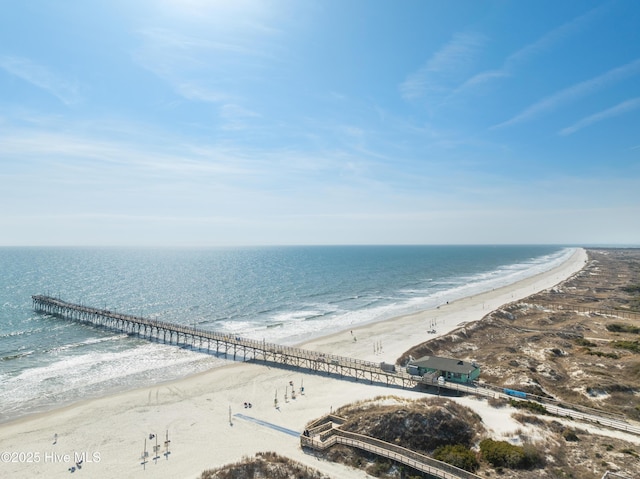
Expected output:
(196, 411)
(324, 291)
(316, 342)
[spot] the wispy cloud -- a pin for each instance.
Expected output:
(170, 41)
(619, 109)
(192, 91)
(250, 16)
(445, 65)
(236, 117)
(72, 152)
(199, 64)
(168, 157)
(545, 42)
(197, 61)
(41, 77)
(551, 38)
(573, 92)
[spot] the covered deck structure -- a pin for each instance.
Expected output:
(454, 370)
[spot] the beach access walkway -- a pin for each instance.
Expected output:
(326, 432)
(238, 348)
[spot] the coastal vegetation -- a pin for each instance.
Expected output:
(567, 344)
(623, 328)
(504, 454)
(422, 425)
(633, 346)
(449, 432)
(576, 342)
(632, 288)
(440, 428)
(532, 406)
(265, 465)
(559, 450)
(457, 455)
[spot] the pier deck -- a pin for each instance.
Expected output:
(229, 345)
(238, 348)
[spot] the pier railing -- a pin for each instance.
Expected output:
(234, 346)
(229, 345)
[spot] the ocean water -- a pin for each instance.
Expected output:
(281, 294)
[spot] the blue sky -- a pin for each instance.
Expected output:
(195, 122)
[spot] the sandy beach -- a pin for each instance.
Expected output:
(204, 415)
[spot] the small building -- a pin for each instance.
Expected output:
(454, 370)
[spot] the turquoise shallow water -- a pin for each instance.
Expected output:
(282, 294)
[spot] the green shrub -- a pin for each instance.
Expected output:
(584, 342)
(530, 405)
(600, 354)
(633, 346)
(504, 454)
(623, 328)
(632, 288)
(457, 455)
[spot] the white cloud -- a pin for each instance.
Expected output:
(196, 47)
(41, 77)
(554, 36)
(192, 91)
(573, 92)
(78, 155)
(619, 109)
(445, 65)
(250, 15)
(236, 117)
(168, 41)
(545, 42)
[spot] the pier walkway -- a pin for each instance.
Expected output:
(231, 346)
(237, 348)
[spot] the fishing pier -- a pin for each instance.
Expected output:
(227, 345)
(237, 348)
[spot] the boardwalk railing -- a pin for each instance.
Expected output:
(332, 434)
(227, 344)
(253, 350)
(554, 407)
(619, 313)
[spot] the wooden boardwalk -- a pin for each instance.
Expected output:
(326, 432)
(227, 345)
(237, 348)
